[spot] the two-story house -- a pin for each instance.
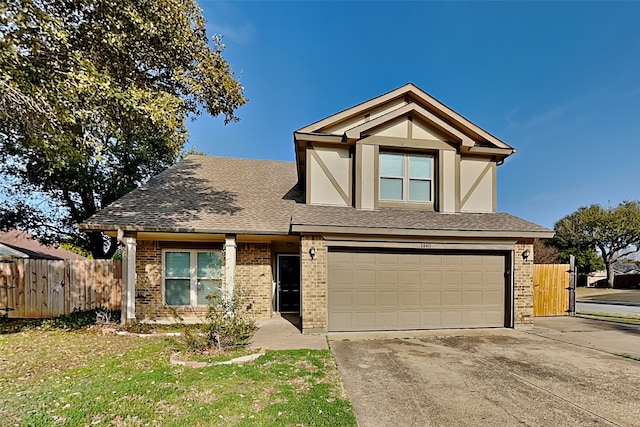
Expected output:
(386, 221)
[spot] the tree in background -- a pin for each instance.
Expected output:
(544, 252)
(94, 97)
(613, 232)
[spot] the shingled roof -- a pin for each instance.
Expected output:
(208, 195)
(224, 195)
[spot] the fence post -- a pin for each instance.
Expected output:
(573, 276)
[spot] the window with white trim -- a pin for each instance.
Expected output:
(406, 177)
(189, 276)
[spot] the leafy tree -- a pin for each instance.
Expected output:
(94, 98)
(613, 232)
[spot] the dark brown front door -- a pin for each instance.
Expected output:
(289, 283)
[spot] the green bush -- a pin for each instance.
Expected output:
(228, 322)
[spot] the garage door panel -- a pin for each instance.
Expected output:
(452, 278)
(387, 278)
(452, 298)
(451, 318)
(410, 298)
(388, 299)
(362, 321)
(364, 299)
(410, 278)
(392, 290)
(473, 297)
(495, 298)
(431, 278)
(341, 277)
(341, 299)
(364, 277)
(431, 298)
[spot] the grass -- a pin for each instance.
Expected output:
(610, 317)
(612, 295)
(53, 377)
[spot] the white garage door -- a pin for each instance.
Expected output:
(372, 291)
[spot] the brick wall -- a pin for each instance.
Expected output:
(149, 302)
(314, 284)
(523, 285)
(254, 277)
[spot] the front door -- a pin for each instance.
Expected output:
(289, 283)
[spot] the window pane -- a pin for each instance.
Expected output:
(177, 264)
(209, 265)
(207, 287)
(390, 189)
(177, 291)
(419, 191)
(420, 167)
(391, 165)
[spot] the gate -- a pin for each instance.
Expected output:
(550, 289)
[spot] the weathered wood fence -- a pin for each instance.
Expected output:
(31, 288)
(550, 293)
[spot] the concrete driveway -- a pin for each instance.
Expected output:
(491, 377)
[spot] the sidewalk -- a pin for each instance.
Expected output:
(613, 338)
(279, 333)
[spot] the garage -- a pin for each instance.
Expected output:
(392, 290)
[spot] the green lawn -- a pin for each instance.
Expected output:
(83, 378)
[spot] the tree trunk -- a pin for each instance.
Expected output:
(610, 276)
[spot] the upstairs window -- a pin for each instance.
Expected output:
(190, 276)
(406, 177)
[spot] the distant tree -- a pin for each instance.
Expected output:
(544, 253)
(613, 232)
(94, 97)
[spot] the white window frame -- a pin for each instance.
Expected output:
(406, 179)
(193, 275)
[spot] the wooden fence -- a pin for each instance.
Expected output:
(33, 288)
(550, 293)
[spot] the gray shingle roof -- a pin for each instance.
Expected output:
(224, 195)
(393, 218)
(209, 194)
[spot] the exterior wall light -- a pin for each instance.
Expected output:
(525, 254)
(312, 252)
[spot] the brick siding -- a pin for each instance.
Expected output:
(523, 285)
(314, 284)
(254, 278)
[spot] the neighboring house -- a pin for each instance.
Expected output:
(625, 275)
(386, 221)
(20, 244)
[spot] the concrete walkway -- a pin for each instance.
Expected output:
(279, 333)
(610, 337)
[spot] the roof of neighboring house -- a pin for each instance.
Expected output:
(625, 268)
(224, 195)
(20, 244)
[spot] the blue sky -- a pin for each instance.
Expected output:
(560, 82)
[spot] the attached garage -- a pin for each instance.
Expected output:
(393, 290)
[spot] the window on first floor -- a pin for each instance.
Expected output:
(406, 177)
(190, 276)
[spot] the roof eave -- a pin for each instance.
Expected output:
(309, 228)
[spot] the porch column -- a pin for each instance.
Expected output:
(229, 265)
(128, 279)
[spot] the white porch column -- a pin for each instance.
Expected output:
(229, 265)
(129, 279)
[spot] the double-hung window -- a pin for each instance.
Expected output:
(406, 177)
(190, 276)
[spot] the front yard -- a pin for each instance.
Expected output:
(86, 378)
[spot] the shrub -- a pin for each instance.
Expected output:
(228, 322)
